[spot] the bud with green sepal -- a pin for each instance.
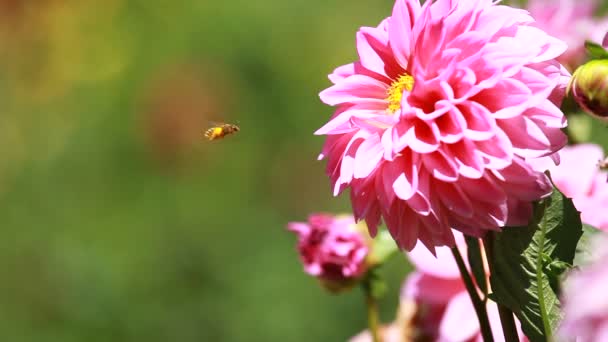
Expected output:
(589, 83)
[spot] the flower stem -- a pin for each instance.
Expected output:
(372, 317)
(506, 316)
(478, 304)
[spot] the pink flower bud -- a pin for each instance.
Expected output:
(332, 249)
(589, 86)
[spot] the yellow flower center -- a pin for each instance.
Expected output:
(395, 92)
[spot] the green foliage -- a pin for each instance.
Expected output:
(528, 262)
(583, 248)
(383, 248)
(374, 284)
(596, 51)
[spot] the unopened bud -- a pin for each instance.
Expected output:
(589, 87)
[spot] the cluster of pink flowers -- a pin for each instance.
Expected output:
(442, 308)
(331, 248)
(571, 21)
(445, 309)
(585, 301)
(436, 119)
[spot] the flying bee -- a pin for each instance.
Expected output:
(220, 130)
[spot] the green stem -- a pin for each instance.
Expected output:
(372, 317)
(506, 316)
(478, 304)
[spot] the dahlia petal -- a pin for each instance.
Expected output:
(495, 18)
(368, 156)
(371, 121)
(347, 166)
(479, 122)
(356, 89)
(496, 151)
(361, 200)
(420, 138)
(525, 133)
(539, 84)
(441, 265)
(455, 199)
(374, 52)
(532, 36)
(469, 162)
(483, 190)
(402, 173)
(430, 289)
(547, 113)
(508, 106)
(301, 228)
(450, 126)
(339, 124)
(400, 29)
(405, 228)
(372, 219)
(342, 72)
(580, 160)
(420, 204)
(453, 327)
(520, 213)
(429, 43)
(440, 166)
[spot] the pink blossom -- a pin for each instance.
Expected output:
(584, 299)
(330, 247)
(445, 311)
(389, 333)
(436, 118)
(579, 177)
(571, 21)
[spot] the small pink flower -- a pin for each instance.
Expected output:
(331, 248)
(435, 120)
(445, 309)
(389, 333)
(585, 302)
(571, 21)
(579, 177)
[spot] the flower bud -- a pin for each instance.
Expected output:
(333, 249)
(589, 87)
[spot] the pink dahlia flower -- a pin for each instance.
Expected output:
(436, 118)
(573, 22)
(579, 177)
(331, 248)
(585, 301)
(445, 312)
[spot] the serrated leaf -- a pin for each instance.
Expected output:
(476, 263)
(583, 251)
(527, 263)
(595, 51)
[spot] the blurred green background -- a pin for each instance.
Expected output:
(119, 221)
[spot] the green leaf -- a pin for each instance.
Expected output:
(527, 263)
(383, 248)
(583, 249)
(476, 263)
(373, 284)
(595, 51)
